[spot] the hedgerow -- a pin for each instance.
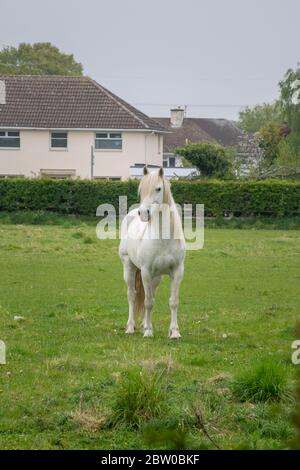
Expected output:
(276, 198)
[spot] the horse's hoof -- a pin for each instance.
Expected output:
(174, 334)
(148, 333)
(130, 330)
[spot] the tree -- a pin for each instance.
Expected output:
(269, 138)
(37, 59)
(287, 155)
(290, 103)
(210, 159)
(253, 119)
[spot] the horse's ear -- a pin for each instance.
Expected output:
(161, 172)
(146, 170)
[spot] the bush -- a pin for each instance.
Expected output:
(82, 197)
(210, 159)
(66, 196)
(240, 197)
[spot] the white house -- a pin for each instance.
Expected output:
(73, 127)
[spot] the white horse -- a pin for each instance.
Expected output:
(152, 244)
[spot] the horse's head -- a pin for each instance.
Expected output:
(154, 190)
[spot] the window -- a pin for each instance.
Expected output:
(169, 160)
(108, 178)
(172, 162)
(108, 141)
(10, 139)
(11, 176)
(58, 173)
(59, 140)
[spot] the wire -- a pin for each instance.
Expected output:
(159, 77)
(194, 105)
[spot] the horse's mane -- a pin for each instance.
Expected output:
(151, 180)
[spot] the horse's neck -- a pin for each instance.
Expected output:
(176, 224)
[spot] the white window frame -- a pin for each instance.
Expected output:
(59, 149)
(108, 178)
(60, 173)
(7, 136)
(109, 139)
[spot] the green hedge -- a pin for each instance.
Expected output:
(242, 197)
(83, 196)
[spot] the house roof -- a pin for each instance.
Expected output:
(223, 131)
(192, 130)
(57, 102)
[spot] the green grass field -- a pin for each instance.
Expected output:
(74, 380)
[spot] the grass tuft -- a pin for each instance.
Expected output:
(140, 397)
(90, 420)
(263, 381)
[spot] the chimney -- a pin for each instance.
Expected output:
(2, 92)
(177, 115)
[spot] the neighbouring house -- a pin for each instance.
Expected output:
(73, 127)
(190, 130)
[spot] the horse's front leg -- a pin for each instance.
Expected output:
(129, 277)
(149, 302)
(176, 278)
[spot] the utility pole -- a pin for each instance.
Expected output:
(92, 162)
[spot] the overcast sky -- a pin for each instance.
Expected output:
(219, 53)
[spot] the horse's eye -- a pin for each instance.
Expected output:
(158, 189)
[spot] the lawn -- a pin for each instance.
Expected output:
(73, 380)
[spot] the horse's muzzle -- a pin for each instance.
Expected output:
(144, 214)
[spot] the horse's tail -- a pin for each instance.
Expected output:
(139, 304)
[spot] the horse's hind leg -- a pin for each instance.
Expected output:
(176, 278)
(155, 283)
(129, 277)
